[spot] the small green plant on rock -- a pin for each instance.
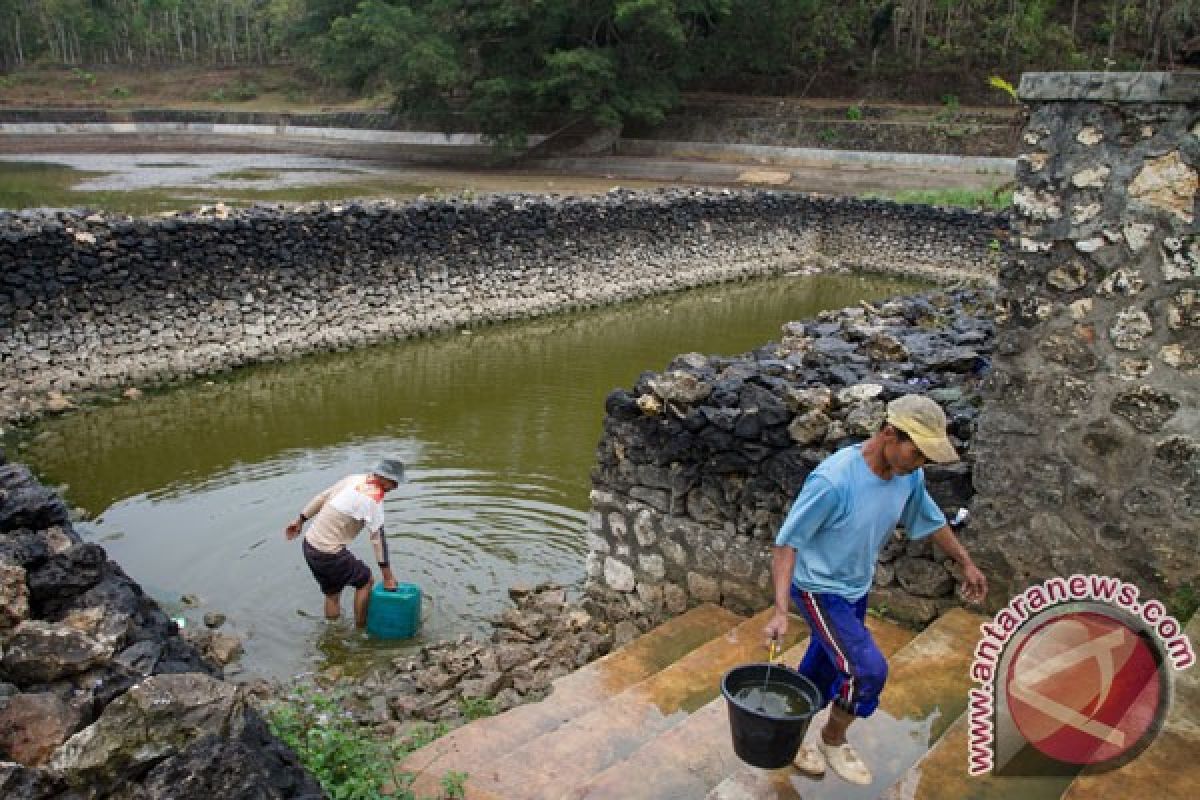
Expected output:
(476, 707)
(827, 135)
(854, 113)
(454, 785)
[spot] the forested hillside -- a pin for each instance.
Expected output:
(508, 62)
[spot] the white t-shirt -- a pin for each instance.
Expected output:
(341, 512)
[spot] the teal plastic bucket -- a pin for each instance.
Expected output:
(394, 614)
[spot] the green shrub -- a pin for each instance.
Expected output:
(246, 90)
(854, 113)
(454, 785)
(120, 92)
(344, 757)
(1183, 602)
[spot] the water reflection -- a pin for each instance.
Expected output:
(193, 486)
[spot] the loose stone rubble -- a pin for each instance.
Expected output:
(546, 635)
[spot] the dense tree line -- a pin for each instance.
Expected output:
(508, 61)
(144, 32)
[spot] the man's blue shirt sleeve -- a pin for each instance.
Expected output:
(817, 501)
(921, 515)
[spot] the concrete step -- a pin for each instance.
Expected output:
(1169, 767)
(555, 764)
(926, 691)
(466, 748)
(694, 756)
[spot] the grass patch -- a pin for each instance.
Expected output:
(345, 758)
(327, 193)
(980, 199)
(247, 175)
(34, 184)
(29, 184)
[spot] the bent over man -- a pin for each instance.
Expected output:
(824, 560)
(338, 514)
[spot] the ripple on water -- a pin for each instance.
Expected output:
(463, 535)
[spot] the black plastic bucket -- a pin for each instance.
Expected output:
(760, 739)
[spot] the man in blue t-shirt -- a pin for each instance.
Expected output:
(824, 559)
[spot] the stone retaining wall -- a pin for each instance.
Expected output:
(95, 302)
(1089, 448)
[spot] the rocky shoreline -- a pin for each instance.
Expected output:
(99, 694)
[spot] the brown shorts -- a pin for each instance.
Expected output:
(336, 571)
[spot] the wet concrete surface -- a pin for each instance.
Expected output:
(132, 171)
(474, 168)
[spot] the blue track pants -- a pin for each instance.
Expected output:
(842, 658)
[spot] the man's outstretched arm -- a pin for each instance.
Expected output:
(974, 583)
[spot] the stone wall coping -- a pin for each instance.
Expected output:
(1119, 87)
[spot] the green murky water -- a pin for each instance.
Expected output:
(775, 699)
(191, 488)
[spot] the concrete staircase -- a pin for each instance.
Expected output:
(647, 722)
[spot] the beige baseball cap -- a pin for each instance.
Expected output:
(925, 423)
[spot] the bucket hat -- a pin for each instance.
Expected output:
(925, 423)
(390, 468)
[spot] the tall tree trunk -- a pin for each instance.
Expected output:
(179, 37)
(17, 39)
(1155, 11)
(1113, 17)
(232, 35)
(1074, 18)
(1008, 29)
(918, 31)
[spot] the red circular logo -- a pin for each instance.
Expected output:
(1085, 688)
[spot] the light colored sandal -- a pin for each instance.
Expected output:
(810, 761)
(845, 762)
